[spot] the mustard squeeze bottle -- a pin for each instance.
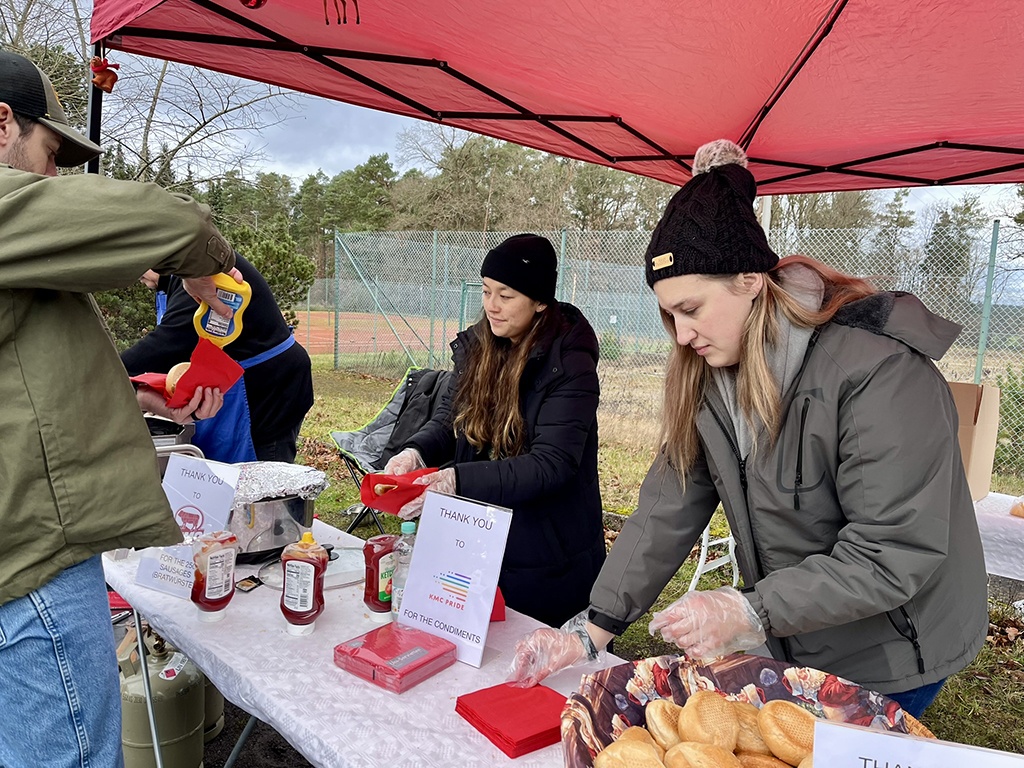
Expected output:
(209, 325)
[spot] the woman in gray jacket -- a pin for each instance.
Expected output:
(809, 406)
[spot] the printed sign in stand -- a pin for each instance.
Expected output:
(201, 494)
(839, 745)
(454, 571)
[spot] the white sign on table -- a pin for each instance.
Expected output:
(454, 571)
(840, 745)
(201, 493)
(167, 569)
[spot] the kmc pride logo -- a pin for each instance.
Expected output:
(455, 587)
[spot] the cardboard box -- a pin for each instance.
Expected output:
(977, 406)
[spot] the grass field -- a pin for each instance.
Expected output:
(983, 705)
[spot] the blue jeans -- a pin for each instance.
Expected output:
(59, 689)
(916, 700)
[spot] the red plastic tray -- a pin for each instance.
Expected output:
(395, 657)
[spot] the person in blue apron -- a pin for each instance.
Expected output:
(263, 411)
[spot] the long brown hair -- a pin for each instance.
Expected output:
(486, 404)
(688, 375)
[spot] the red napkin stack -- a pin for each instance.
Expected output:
(396, 498)
(211, 367)
(516, 720)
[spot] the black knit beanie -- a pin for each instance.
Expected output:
(525, 263)
(709, 226)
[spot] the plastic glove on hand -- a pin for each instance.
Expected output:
(542, 653)
(442, 481)
(404, 461)
(707, 625)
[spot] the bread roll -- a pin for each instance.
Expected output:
(709, 718)
(637, 733)
(807, 762)
(381, 488)
(788, 730)
(173, 377)
(1017, 509)
(692, 754)
(751, 760)
(663, 722)
(628, 753)
(748, 738)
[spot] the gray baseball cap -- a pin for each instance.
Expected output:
(27, 90)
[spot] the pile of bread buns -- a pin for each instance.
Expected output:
(710, 731)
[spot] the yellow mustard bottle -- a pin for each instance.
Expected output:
(210, 325)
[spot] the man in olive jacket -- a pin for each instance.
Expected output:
(78, 475)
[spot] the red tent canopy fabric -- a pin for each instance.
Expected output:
(823, 94)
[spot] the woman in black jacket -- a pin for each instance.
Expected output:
(518, 429)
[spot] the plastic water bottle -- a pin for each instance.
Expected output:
(403, 556)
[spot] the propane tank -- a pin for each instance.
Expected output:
(177, 687)
(214, 722)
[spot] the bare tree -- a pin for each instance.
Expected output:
(166, 119)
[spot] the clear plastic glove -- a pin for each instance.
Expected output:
(442, 481)
(544, 652)
(408, 460)
(710, 624)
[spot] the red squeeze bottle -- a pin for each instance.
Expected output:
(302, 597)
(214, 585)
(378, 551)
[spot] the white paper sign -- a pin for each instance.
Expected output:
(454, 571)
(201, 493)
(167, 569)
(838, 745)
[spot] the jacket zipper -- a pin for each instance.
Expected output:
(798, 481)
(910, 635)
(735, 450)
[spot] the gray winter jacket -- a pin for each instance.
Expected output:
(855, 532)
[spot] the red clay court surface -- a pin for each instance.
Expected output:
(360, 332)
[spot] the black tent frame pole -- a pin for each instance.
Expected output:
(95, 116)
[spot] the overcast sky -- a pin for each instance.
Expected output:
(329, 136)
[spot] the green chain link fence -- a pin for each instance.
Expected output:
(398, 298)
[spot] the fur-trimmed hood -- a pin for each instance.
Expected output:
(903, 317)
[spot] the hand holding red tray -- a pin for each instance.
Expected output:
(210, 367)
(395, 490)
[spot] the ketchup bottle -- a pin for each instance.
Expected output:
(302, 597)
(214, 585)
(378, 552)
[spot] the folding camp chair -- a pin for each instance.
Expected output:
(729, 558)
(367, 449)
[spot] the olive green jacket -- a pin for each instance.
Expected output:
(78, 474)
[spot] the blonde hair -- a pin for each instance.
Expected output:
(486, 403)
(688, 375)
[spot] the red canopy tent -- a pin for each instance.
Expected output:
(824, 94)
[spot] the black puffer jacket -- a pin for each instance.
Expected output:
(556, 542)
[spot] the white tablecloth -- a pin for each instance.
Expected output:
(335, 719)
(1002, 536)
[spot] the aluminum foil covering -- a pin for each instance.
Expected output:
(261, 480)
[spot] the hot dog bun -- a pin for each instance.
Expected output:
(663, 722)
(788, 730)
(709, 719)
(693, 754)
(628, 753)
(173, 376)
